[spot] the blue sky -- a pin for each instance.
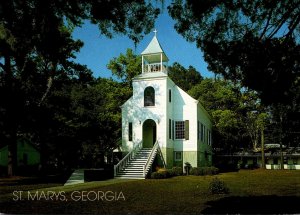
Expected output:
(99, 50)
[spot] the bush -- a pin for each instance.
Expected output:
(214, 170)
(157, 175)
(217, 186)
(177, 170)
(166, 173)
(162, 173)
(170, 173)
(196, 171)
(210, 171)
(204, 171)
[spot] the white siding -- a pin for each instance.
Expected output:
(185, 108)
(182, 107)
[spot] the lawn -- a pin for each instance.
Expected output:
(251, 191)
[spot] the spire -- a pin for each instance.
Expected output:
(154, 48)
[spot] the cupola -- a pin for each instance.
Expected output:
(154, 58)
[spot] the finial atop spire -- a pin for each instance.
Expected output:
(155, 31)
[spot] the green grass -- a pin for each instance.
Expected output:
(178, 195)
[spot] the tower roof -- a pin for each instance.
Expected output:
(153, 51)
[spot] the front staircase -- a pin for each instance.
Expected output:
(137, 163)
(135, 167)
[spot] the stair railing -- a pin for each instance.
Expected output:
(161, 156)
(122, 163)
(150, 159)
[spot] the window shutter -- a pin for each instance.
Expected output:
(198, 136)
(130, 131)
(173, 133)
(186, 129)
(170, 129)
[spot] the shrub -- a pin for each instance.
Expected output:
(177, 170)
(214, 170)
(160, 169)
(204, 171)
(162, 173)
(170, 173)
(157, 175)
(165, 174)
(210, 171)
(217, 186)
(196, 171)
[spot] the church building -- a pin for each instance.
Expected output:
(161, 121)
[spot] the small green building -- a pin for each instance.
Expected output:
(27, 154)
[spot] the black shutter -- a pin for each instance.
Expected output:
(173, 130)
(130, 131)
(198, 136)
(170, 129)
(186, 129)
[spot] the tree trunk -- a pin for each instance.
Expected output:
(281, 154)
(263, 165)
(280, 138)
(9, 120)
(12, 154)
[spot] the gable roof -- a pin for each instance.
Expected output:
(127, 102)
(194, 100)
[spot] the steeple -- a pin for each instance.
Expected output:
(154, 58)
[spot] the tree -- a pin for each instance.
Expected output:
(222, 100)
(126, 67)
(216, 94)
(254, 124)
(238, 116)
(252, 42)
(184, 78)
(36, 41)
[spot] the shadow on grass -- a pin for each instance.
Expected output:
(254, 205)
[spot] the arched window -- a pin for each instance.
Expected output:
(149, 97)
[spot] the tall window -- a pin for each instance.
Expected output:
(130, 131)
(149, 97)
(179, 130)
(170, 96)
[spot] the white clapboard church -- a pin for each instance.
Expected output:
(162, 126)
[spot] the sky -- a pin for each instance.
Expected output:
(98, 50)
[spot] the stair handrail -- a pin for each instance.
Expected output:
(161, 156)
(148, 163)
(127, 158)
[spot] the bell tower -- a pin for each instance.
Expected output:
(154, 58)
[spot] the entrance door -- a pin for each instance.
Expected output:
(149, 133)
